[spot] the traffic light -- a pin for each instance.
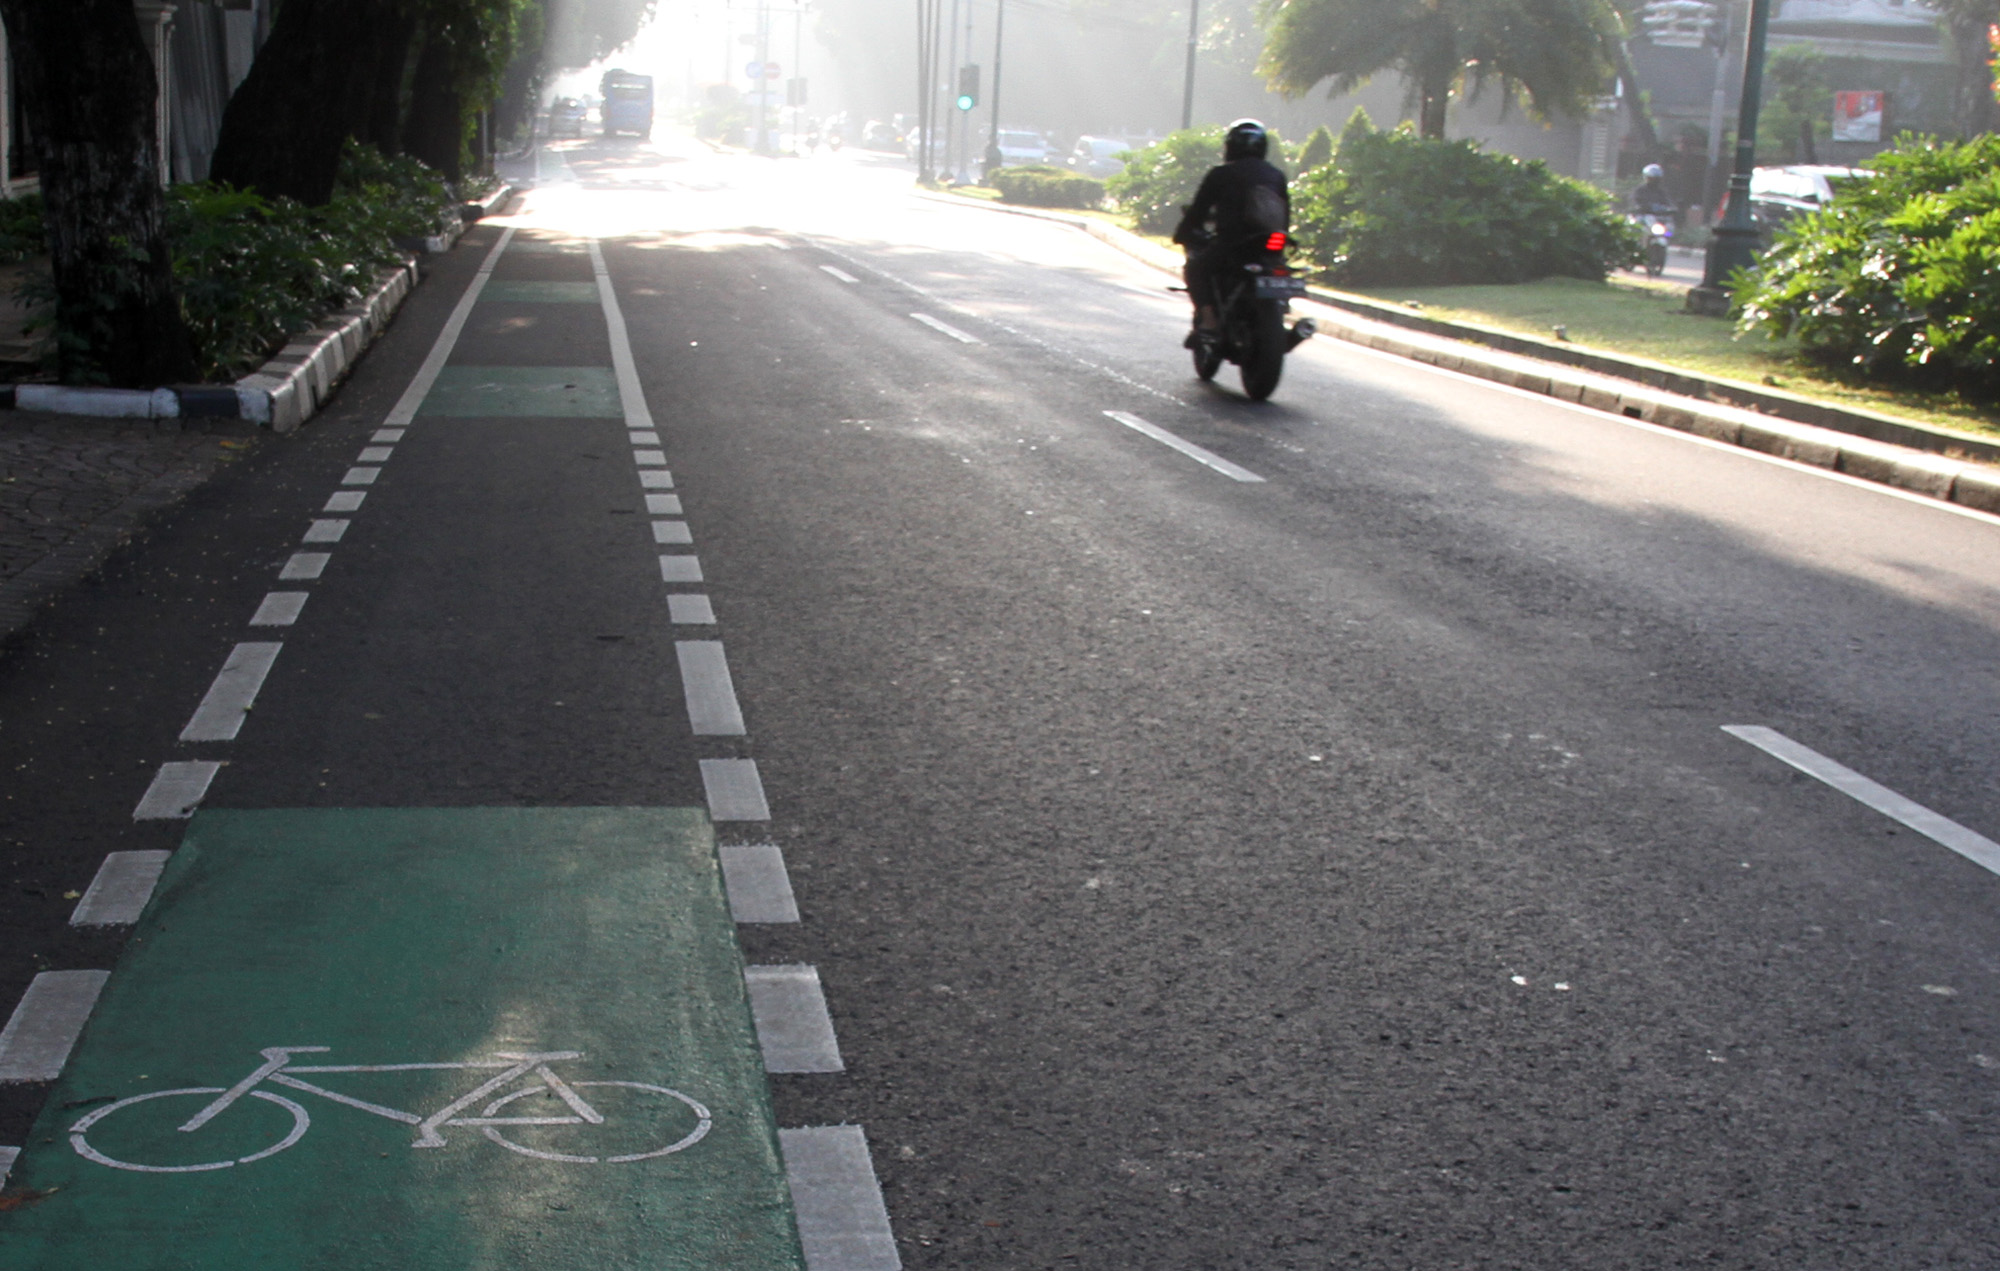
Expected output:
(968, 86)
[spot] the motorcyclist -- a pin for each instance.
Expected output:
(1246, 198)
(1651, 198)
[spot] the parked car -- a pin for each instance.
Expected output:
(1022, 147)
(566, 117)
(1098, 156)
(1779, 194)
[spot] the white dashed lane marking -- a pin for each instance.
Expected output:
(735, 790)
(760, 891)
(690, 610)
(643, 437)
(946, 328)
(119, 892)
(650, 458)
(279, 609)
(794, 1030)
(344, 501)
(326, 531)
(375, 454)
(1188, 448)
(711, 696)
(656, 479)
(1970, 844)
(841, 274)
(675, 532)
(304, 566)
(233, 692)
(177, 788)
(361, 476)
(663, 504)
(387, 436)
(44, 1027)
(843, 1224)
(680, 569)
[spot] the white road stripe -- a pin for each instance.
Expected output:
(178, 788)
(650, 458)
(119, 892)
(643, 437)
(841, 274)
(304, 566)
(44, 1027)
(759, 888)
(233, 693)
(344, 501)
(711, 697)
(325, 531)
(656, 479)
(387, 436)
(680, 569)
(622, 365)
(945, 327)
(280, 609)
(843, 1224)
(794, 1030)
(663, 504)
(420, 386)
(672, 532)
(361, 476)
(375, 454)
(1188, 448)
(690, 610)
(735, 790)
(7, 1156)
(1973, 846)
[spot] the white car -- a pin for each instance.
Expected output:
(1098, 156)
(1022, 147)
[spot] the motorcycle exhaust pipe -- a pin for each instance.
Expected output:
(1302, 330)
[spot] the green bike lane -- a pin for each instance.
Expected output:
(422, 957)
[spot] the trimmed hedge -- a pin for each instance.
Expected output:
(1161, 179)
(1898, 278)
(1046, 187)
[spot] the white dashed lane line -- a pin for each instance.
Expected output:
(279, 609)
(663, 504)
(361, 476)
(711, 696)
(177, 789)
(119, 892)
(760, 891)
(387, 436)
(690, 609)
(44, 1027)
(735, 791)
(843, 1224)
(680, 569)
(375, 454)
(344, 501)
(1188, 448)
(650, 458)
(794, 1030)
(672, 532)
(1970, 844)
(841, 274)
(233, 692)
(304, 566)
(946, 328)
(656, 479)
(328, 530)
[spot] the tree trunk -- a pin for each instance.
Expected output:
(306, 93)
(1975, 108)
(1433, 96)
(1635, 102)
(383, 125)
(435, 130)
(1808, 151)
(87, 82)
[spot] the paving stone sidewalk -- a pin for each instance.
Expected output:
(73, 488)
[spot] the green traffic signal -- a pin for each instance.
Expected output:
(965, 101)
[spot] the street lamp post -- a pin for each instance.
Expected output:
(1194, 39)
(1732, 245)
(993, 158)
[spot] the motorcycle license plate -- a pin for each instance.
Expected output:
(1269, 288)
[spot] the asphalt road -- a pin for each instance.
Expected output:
(1346, 868)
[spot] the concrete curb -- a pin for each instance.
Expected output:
(293, 386)
(1860, 444)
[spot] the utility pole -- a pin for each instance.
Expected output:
(924, 81)
(763, 60)
(1732, 245)
(964, 173)
(993, 158)
(952, 59)
(1194, 40)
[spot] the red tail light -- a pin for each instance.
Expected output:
(1276, 243)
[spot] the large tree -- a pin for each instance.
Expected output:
(1973, 105)
(87, 83)
(1558, 53)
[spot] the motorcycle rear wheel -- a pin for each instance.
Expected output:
(1207, 358)
(1264, 360)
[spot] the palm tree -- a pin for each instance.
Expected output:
(1560, 53)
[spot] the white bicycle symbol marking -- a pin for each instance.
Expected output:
(278, 1069)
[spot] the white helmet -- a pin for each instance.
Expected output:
(1652, 172)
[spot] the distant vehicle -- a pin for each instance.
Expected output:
(1098, 156)
(876, 135)
(1022, 147)
(1779, 194)
(628, 104)
(566, 116)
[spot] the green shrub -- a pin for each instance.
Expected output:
(21, 233)
(1160, 180)
(1899, 276)
(1317, 149)
(1393, 209)
(411, 198)
(1046, 187)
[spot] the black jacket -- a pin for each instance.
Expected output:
(1225, 197)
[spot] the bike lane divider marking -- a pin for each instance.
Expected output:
(690, 609)
(644, 437)
(663, 505)
(229, 699)
(711, 695)
(416, 1039)
(304, 566)
(177, 788)
(419, 386)
(119, 891)
(843, 1223)
(759, 888)
(735, 791)
(279, 609)
(672, 533)
(680, 569)
(1209, 458)
(388, 436)
(1970, 844)
(650, 458)
(623, 366)
(794, 1028)
(361, 476)
(375, 454)
(656, 479)
(7, 1155)
(946, 328)
(839, 273)
(43, 1029)
(328, 530)
(344, 501)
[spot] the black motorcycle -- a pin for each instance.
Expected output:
(1251, 303)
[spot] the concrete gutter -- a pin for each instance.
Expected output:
(1936, 462)
(293, 386)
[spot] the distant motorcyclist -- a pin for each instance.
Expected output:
(1651, 198)
(1246, 199)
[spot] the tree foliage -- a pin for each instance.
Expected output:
(1159, 180)
(1557, 53)
(1798, 105)
(1318, 148)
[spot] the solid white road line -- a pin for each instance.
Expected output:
(680, 569)
(375, 454)
(344, 501)
(672, 532)
(794, 1030)
(643, 437)
(387, 436)
(945, 327)
(690, 610)
(843, 1224)
(44, 1027)
(1973, 846)
(361, 476)
(650, 458)
(656, 479)
(759, 888)
(663, 504)
(711, 697)
(233, 692)
(304, 566)
(119, 892)
(7, 1156)
(178, 788)
(622, 365)
(735, 790)
(327, 530)
(841, 274)
(280, 609)
(1188, 448)
(420, 385)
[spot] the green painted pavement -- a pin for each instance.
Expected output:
(570, 392)
(520, 291)
(452, 938)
